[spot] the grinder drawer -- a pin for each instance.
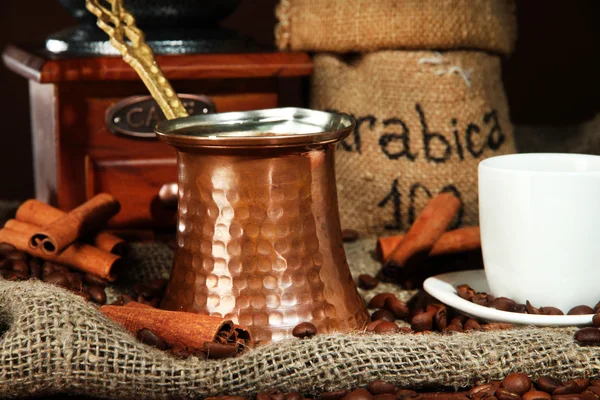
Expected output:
(137, 184)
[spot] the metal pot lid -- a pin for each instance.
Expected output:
(275, 127)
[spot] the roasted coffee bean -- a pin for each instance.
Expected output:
(531, 309)
(148, 337)
(581, 310)
(385, 396)
(471, 325)
(597, 308)
(304, 330)
(536, 395)
(56, 278)
(505, 394)
(217, 350)
(384, 315)
(359, 394)
(454, 328)
(371, 326)
(61, 268)
(226, 398)
(521, 309)
(569, 387)
(47, 269)
(6, 265)
(97, 294)
(13, 276)
(482, 299)
(75, 282)
(294, 396)
(378, 301)
(583, 383)
(588, 395)
(387, 327)
(17, 255)
(405, 394)
(126, 298)
(276, 394)
(86, 296)
(481, 391)
(349, 235)
(440, 318)
(465, 292)
(596, 320)
(496, 326)
(35, 270)
(517, 382)
(548, 384)
(335, 395)
(94, 280)
(457, 321)
(263, 396)
(550, 311)
(20, 266)
(594, 382)
(397, 307)
(504, 304)
(575, 396)
(6, 248)
(423, 321)
(593, 390)
(382, 387)
(367, 282)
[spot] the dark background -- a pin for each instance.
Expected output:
(553, 77)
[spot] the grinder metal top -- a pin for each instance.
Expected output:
(276, 127)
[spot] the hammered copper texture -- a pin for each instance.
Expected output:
(259, 241)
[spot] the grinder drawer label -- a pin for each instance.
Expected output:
(136, 116)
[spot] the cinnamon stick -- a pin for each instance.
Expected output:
(176, 327)
(90, 216)
(452, 242)
(433, 221)
(80, 256)
(39, 213)
(239, 333)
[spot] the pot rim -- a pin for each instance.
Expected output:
(268, 128)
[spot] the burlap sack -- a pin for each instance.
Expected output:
(424, 121)
(367, 25)
(54, 342)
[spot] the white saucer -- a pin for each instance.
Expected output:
(443, 288)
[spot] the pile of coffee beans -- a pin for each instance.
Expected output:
(506, 304)
(423, 313)
(516, 386)
(16, 265)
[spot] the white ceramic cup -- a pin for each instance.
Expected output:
(540, 228)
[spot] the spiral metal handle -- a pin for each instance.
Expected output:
(129, 40)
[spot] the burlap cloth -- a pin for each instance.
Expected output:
(54, 341)
(366, 25)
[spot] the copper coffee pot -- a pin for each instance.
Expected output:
(258, 236)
